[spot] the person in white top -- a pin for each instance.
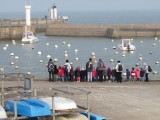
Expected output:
(67, 68)
(119, 69)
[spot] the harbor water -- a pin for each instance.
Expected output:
(27, 60)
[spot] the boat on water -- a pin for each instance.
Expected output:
(29, 107)
(60, 103)
(29, 37)
(2, 113)
(126, 45)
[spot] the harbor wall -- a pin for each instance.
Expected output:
(106, 30)
(14, 28)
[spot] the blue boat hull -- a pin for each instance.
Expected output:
(29, 107)
(94, 116)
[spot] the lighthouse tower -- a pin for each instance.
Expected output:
(28, 15)
(53, 12)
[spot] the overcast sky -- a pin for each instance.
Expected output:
(80, 5)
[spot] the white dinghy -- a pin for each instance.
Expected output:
(2, 113)
(60, 103)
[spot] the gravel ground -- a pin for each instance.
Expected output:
(115, 101)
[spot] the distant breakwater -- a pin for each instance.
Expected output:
(14, 28)
(104, 30)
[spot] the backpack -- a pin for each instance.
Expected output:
(101, 65)
(90, 65)
(51, 66)
(120, 68)
(149, 69)
(66, 69)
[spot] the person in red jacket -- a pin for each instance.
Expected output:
(137, 74)
(61, 73)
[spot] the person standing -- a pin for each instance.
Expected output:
(89, 67)
(51, 70)
(100, 66)
(119, 69)
(67, 68)
(146, 72)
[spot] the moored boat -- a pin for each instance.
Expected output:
(28, 37)
(126, 45)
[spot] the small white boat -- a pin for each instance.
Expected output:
(126, 45)
(2, 113)
(60, 103)
(28, 37)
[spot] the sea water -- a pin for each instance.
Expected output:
(29, 60)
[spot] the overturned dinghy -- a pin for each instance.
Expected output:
(60, 103)
(29, 107)
(2, 113)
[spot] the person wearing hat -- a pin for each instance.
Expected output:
(119, 69)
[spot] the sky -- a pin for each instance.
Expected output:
(80, 5)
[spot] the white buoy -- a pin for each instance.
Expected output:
(116, 53)
(55, 60)
(64, 42)
(47, 44)
(12, 54)
(137, 64)
(141, 41)
(22, 44)
(93, 54)
(7, 45)
(16, 57)
(105, 49)
(157, 62)
(1, 69)
(95, 61)
(150, 52)
(65, 51)
(112, 40)
(123, 55)
(69, 45)
(155, 38)
(28, 73)
(16, 67)
(12, 63)
(111, 60)
(114, 47)
(66, 55)
(140, 58)
(41, 61)
(76, 59)
(76, 50)
(5, 48)
(154, 44)
(39, 52)
(48, 56)
(56, 46)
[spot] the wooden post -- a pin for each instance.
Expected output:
(53, 110)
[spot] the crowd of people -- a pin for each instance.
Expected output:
(93, 73)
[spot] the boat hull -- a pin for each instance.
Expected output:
(29, 107)
(60, 103)
(2, 113)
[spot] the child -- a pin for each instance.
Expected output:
(78, 74)
(128, 73)
(133, 74)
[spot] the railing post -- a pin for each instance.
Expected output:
(15, 109)
(53, 108)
